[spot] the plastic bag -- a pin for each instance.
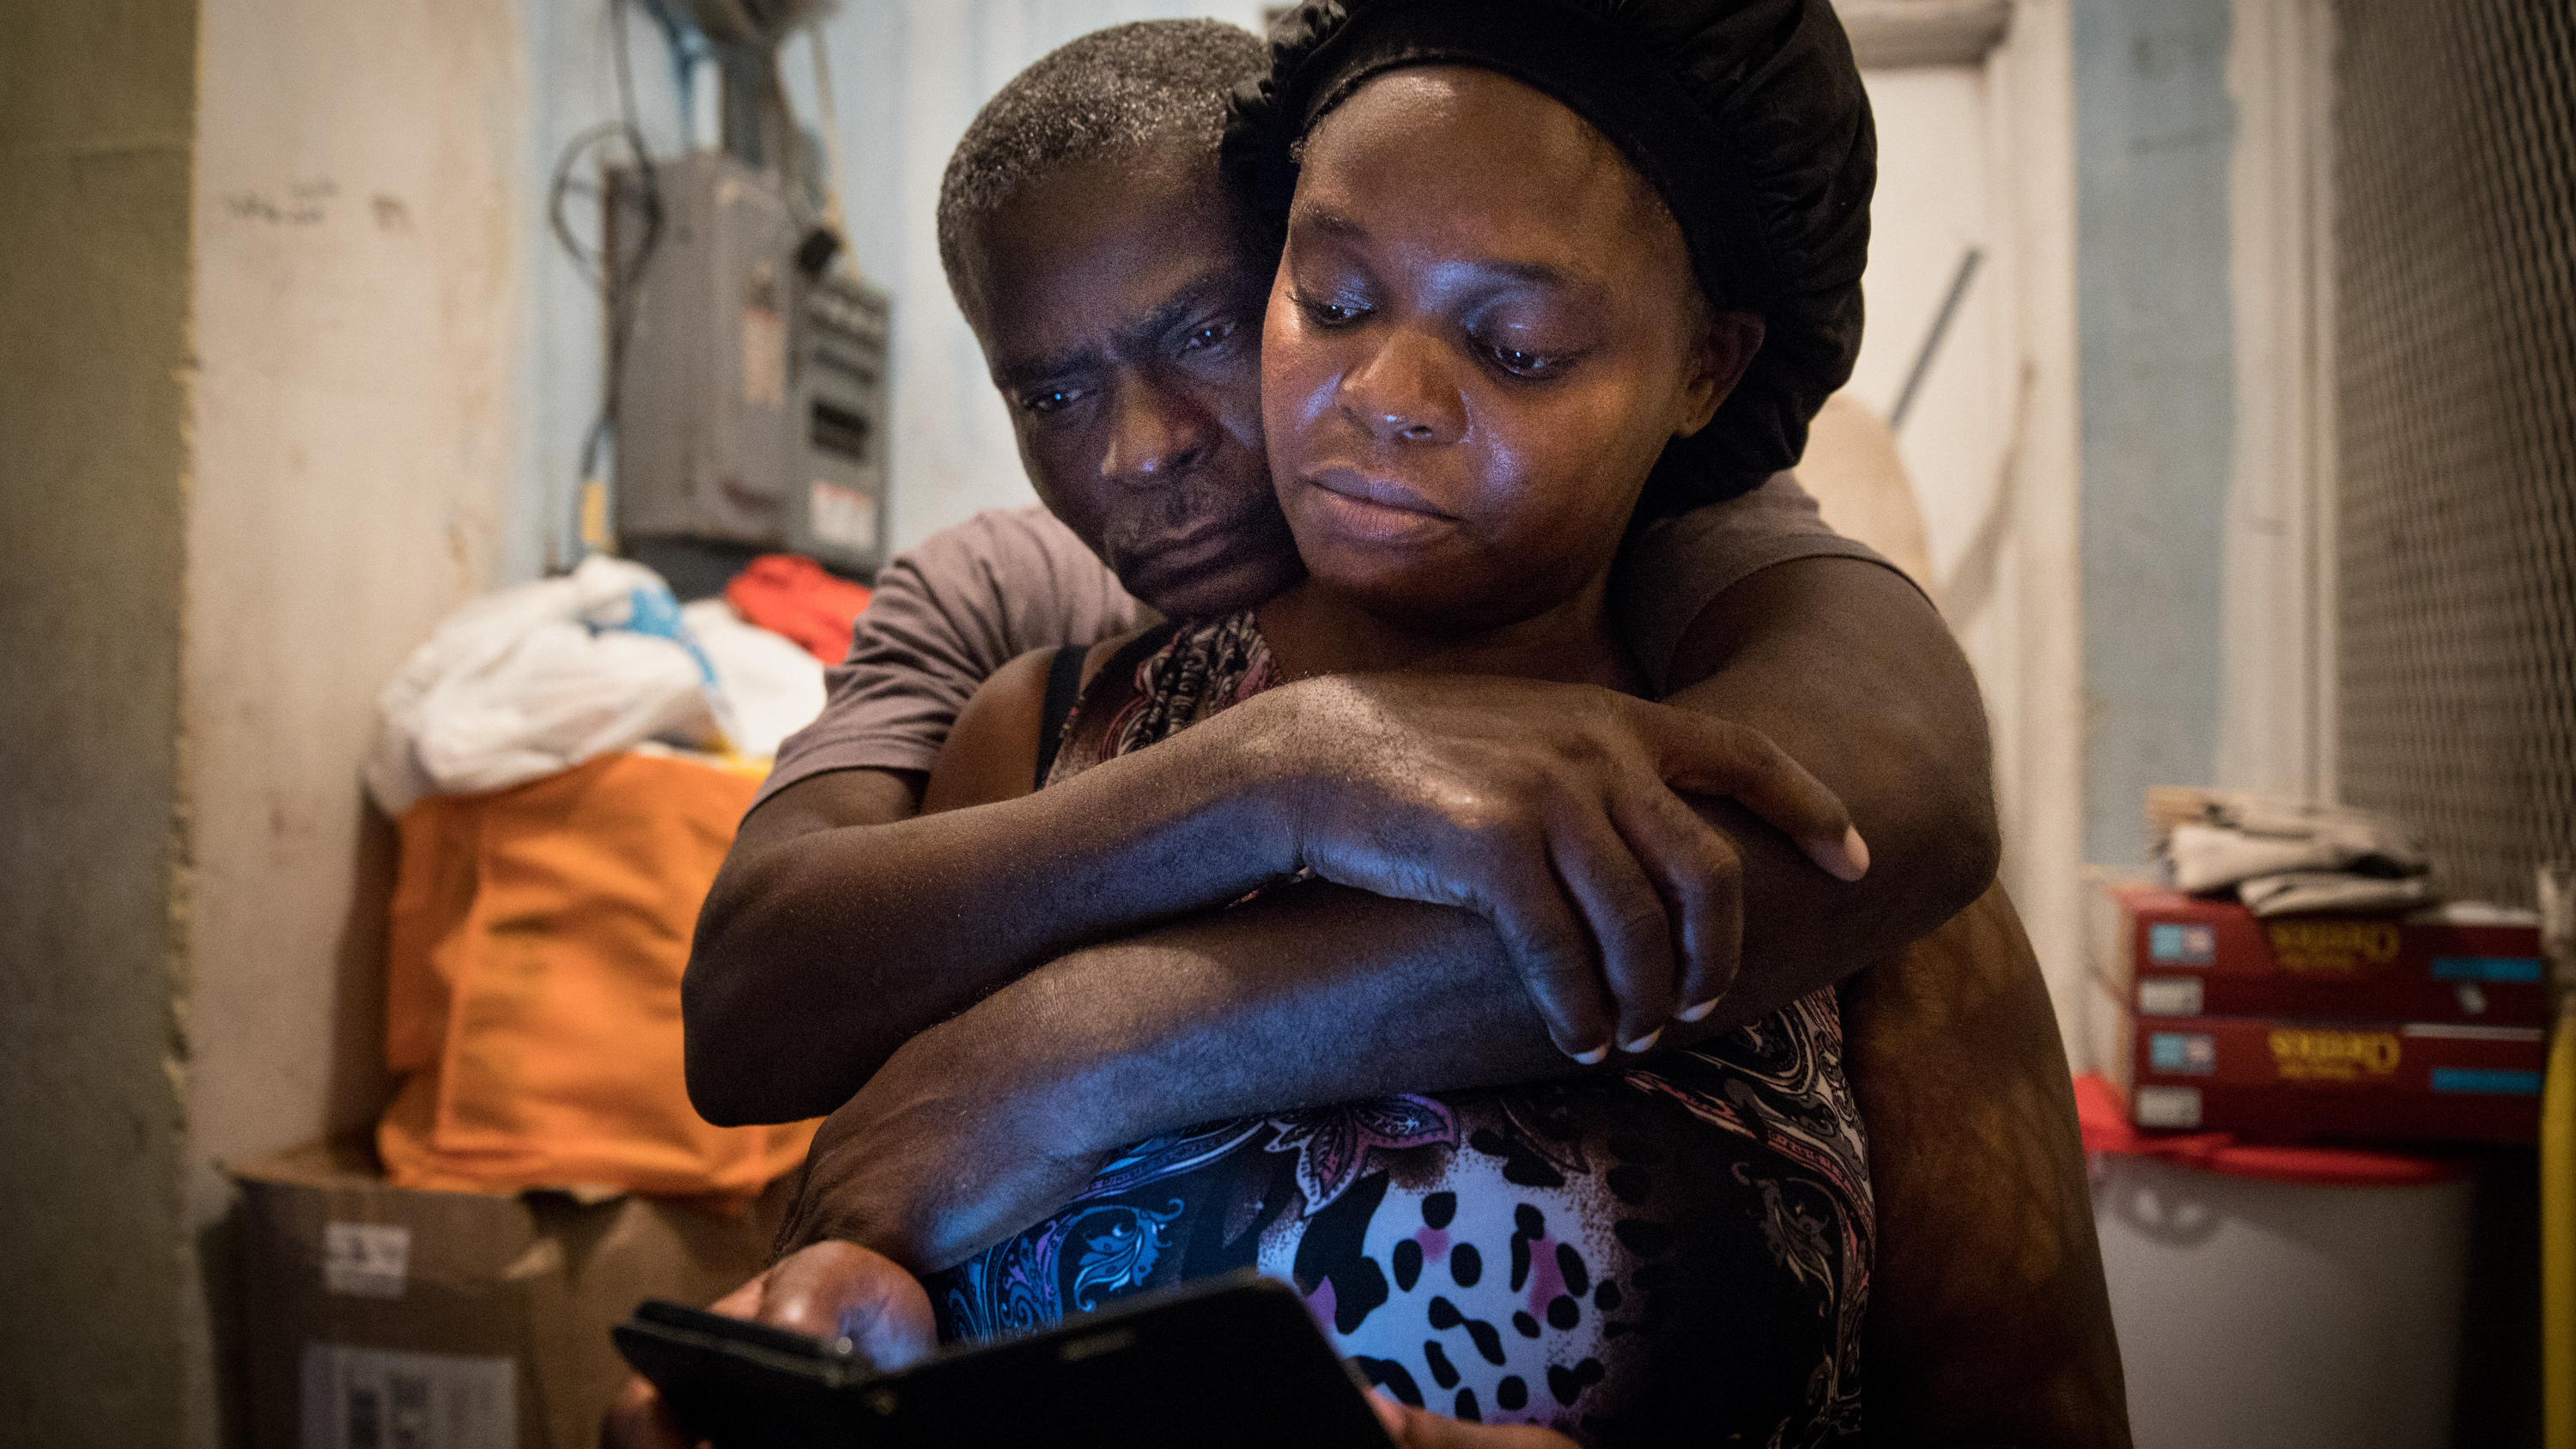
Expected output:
(537, 678)
(770, 686)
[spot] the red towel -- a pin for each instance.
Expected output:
(797, 597)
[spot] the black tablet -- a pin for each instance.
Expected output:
(1228, 1361)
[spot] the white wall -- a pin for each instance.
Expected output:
(359, 210)
(1978, 155)
(2276, 726)
(1936, 199)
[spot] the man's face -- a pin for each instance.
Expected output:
(1121, 319)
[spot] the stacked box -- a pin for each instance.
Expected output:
(2416, 1028)
(2186, 956)
(377, 1315)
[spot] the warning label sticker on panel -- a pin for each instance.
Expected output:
(842, 517)
(374, 1398)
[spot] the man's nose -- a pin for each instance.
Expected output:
(1154, 431)
(1405, 392)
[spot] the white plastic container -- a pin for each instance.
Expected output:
(2275, 1315)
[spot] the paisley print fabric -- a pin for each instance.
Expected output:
(1675, 1253)
(1161, 683)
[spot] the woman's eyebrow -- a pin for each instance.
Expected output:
(1335, 226)
(1538, 274)
(1331, 223)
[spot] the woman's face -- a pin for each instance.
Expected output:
(1483, 331)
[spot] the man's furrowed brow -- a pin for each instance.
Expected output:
(1030, 371)
(1136, 332)
(1208, 292)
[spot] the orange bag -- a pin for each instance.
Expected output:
(533, 1005)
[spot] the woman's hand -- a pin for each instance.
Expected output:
(829, 1291)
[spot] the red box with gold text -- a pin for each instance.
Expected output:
(2185, 956)
(2289, 1080)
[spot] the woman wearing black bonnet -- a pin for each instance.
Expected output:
(1550, 270)
(1748, 118)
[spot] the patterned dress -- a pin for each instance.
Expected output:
(1677, 1253)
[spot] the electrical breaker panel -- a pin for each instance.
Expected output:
(836, 507)
(751, 398)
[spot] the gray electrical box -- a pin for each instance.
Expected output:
(751, 398)
(837, 508)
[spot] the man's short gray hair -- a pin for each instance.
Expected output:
(1115, 90)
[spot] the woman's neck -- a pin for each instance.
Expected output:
(1314, 629)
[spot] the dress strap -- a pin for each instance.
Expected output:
(1064, 687)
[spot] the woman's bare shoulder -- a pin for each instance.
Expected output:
(992, 750)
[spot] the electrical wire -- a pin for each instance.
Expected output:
(828, 117)
(614, 277)
(592, 261)
(688, 49)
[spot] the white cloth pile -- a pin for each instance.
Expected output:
(770, 686)
(2285, 855)
(541, 677)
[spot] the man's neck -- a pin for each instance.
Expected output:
(1314, 629)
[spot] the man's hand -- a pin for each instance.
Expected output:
(1550, 810)
(829, 1291)
(942, 1152)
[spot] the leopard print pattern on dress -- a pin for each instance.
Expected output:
(1676, 1252)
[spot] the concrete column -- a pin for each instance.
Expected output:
(97, 144)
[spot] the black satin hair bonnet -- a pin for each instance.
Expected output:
(1747, 117)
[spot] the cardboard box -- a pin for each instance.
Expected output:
(381, 1316)
(2288, 1080)
(2180, 955)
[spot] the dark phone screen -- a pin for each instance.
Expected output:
(1235, 1361)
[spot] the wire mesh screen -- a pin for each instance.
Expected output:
(2455, 341)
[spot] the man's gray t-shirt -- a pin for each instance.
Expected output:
(972, 598)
